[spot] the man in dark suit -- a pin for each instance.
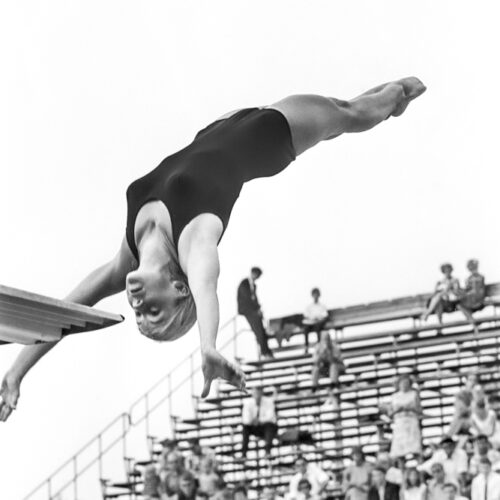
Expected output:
(249, 306)
(380, 488)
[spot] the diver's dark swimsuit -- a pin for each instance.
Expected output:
(207, 176)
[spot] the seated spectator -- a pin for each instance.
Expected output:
(356, 477)
(451, 492)
(392, 474)
(380, 488)
(207, 477)
(187, 487)
(304, 493)
(486, 485)
(313, 473)
(240, 492)
(405, 411)
(446, 295)
(151, 488)
(315, 317)
(171, 464)
(472, 297)
(453, 460)
(412, 488)
(482, 448)
(269, 493)
(483, 418)
(259, 419)
(327, 360)
(195, 455)
(462, 422)
(435, 486)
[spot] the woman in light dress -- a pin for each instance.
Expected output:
(405, 412)
(413, 487)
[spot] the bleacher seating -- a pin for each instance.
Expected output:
(436, 358)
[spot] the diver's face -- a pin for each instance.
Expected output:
(152, 296)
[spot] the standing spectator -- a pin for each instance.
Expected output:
(187, 487)
(327, 360)
(356, 477)
(413, 488)
(207, 477)
(446, 295)
(461, 422)
(313, 473)
(405, 412)
(453, 459)
(315, 317)
(259, 419)
(171, 468)
(381, 489)
(483, 418)
(435, 487)
(151, 488)
(248, 306)
(486, 485)
(483, 449)
(450, 491)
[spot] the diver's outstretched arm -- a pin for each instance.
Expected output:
(106, 280)
(203, 272)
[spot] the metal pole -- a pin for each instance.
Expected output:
(75, 477)
(124, 434)
(235, 344)
(191, 376)
(170, 396)
(99, 444)
(146, 404)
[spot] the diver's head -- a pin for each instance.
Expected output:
(162, 301)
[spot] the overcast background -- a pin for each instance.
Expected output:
(94, 94)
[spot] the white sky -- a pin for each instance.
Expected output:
(95, 94)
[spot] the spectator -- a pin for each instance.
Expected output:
(201, 495)
(259, 419)
(151, 488)
(435, 487)
(381, 489)
(392, 474)
(304, 488)
(486, 485)
(313, 473)
(483, 418)
(269, 493)
(207, 477)
(171, 464)
(453, 460)
(195, 456)
(327, 360)
(315, 317)
(451, 492)
(446, 295)
(483, 449)
(248, 306)
(356, 477)
(472, 297)
(413, 488)
(222, 492)
(170, 486)
(461, 422)
(240, 492)
(187, 487)
(405, 413)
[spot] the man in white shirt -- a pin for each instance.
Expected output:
(315, 317)
(453, 459)
(392, 474)
(259, 419)
(450, 492)
(486, 485)
(483, 449)
(313, 473)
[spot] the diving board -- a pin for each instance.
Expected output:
(30, 318)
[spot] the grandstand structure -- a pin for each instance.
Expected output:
(378, 341)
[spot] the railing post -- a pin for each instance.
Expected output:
(75, 477)
(99, 445)
(170, 396)
(146, 404)
(49, 487)
(191, 375)
(124, 434)
(235, 333)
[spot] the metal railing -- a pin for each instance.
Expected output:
(67, 477)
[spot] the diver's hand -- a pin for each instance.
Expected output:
(9, 392)
(214, 365)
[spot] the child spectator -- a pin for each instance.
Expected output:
(187, 487)
(208, 478)
(151, 489)
(313, 473)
